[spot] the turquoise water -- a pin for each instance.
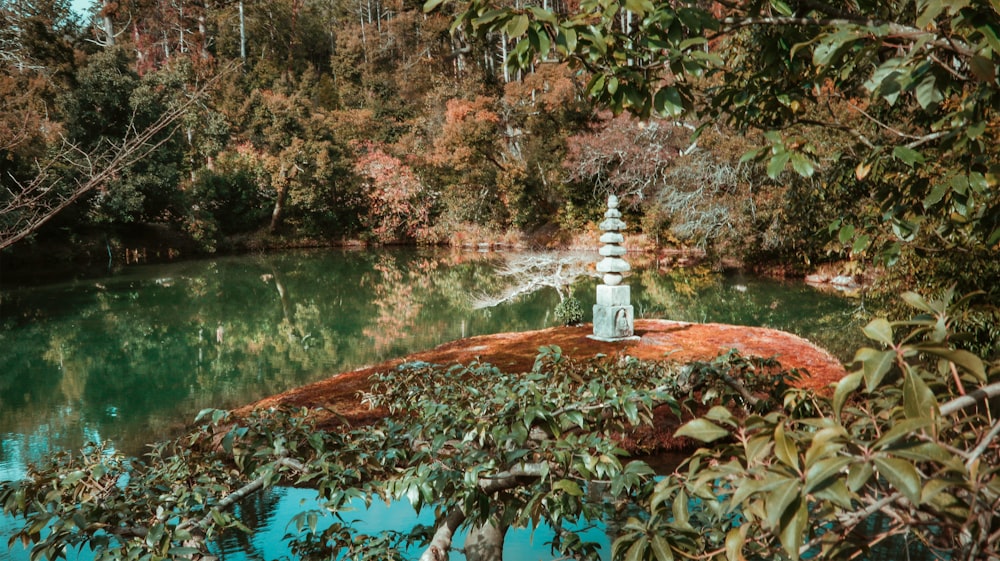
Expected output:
(133, 356)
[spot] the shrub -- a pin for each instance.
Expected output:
(569, 311)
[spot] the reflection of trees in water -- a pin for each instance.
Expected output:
(395, 302)
(256, 511)
(146, 348)
(701, 295)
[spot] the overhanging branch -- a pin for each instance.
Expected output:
(41, 199)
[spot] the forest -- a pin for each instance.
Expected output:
(781, 136)
(147, 129)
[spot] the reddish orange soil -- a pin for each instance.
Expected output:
(516, 352)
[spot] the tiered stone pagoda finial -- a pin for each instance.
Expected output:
(613, 313)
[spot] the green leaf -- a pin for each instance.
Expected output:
(543, 14)
(932, 488)
(574, 417)
(638, 549)
(887, 80)
(785, 449)
(568, 486)
(822, 471)
(918, 399)
(639, 7)
(901, 429)
(596, 85)
(703, 430)
(930, 10)
(845, 387)
(827, 442)
(752, 154)
(539, 40)
(880, 330)
(735, 539)
(836, 492)
(938, 191)
(689, 43)
(758, 448)
(631, 411)
(960, 358)
(907, 155)
(874, 365)
(668, 102)
(720, 414)
(779, 500)
(566, 39)
(747, 487)
(431, 5)
(927, 92)
(517, 26)
(846, 233)
(679, 508)
(989, 33)
(777, 163)
(794, 529)
(975, 130)
(917, 301)
(782, 7)
(826, 51)
(612, 85)
(905, 229)
(661, 549)
(994, 237)
(901, 475)
(154, 535)
(860, 243)
(858, 475)
(802, 165)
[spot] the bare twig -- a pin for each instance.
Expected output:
(41, 199)
(529, 272)
(972, 398)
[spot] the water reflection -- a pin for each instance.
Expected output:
(269, 539)
(138, 354)
(132, 357)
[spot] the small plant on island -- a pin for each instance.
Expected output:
(569, 311)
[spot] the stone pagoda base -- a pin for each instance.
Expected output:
(613, 315)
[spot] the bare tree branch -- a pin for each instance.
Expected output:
(512, 478)
(972, 398)
(44, 197)
(528, 272)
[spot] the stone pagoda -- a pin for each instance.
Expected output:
(613, 314)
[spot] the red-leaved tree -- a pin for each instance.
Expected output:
(397, 202)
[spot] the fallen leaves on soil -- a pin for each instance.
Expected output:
(516, 352)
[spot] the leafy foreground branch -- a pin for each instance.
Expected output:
(905, 449)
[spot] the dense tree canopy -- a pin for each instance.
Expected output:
(820, 133)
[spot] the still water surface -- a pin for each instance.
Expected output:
(132, 357)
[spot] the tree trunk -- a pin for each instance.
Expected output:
(203, 32)
(243, 35)
(279, 207)
(485, 543)
(107, 26)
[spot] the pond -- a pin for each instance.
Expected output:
(133, 356)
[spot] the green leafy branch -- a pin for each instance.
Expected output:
(908, 439)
